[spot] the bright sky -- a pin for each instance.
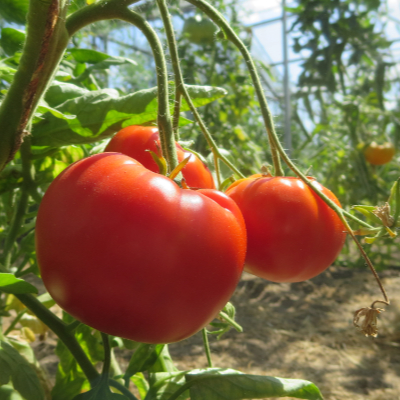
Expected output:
(270, 36)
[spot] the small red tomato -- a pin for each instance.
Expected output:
(379, 154)
(135, 140)
(128, 252)
(292, 234)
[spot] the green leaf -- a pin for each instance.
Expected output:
(100, 392)
(166, 384)
(6, 72)
(88, 56)
(367, 212)
(10, 284)
(46, 300)
(70, 379)
(24, 378)
(143, 358)
(394, 201)
(14, 10)
(141, 383)
(8, 393)
(222, 384)
(12, 40)
(59, 92)
(101, 113)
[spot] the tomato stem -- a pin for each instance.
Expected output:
(230, 34)
(60, 328)
(107, 355)
(164, 117)
(180, 86)
(45, 43)
(276, 146)
(207, 347)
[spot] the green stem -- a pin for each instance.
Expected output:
(73, 325)
(177, 111)
(358, 220)
(276, 147)
(117, 9)
(99, 11)
(226, 317)
(15, 322)
(179, 82)
(107, 356)
(122, 389)
(60, 328)
(46, 41)
(219, 20)
(164, 118)
(28, 188)
(207, 347)
(16, 222)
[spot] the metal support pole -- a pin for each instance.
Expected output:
(286, 83)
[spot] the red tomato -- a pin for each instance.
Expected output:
(128, 252)
(135, 140)
(292, 234)
(379, 154)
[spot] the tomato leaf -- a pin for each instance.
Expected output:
(394, 201)
(166, 384)
(14, 10)
(143, 358)
(88, 55)
(10, 284)
(8, 393)
(222, 384)
(100, 113)
(59, 92)
(141, 383)
(15, 367)
(100, 392)
(12, 40)
(367, 212)
(70, 379)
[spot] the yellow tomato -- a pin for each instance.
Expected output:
(379, 154)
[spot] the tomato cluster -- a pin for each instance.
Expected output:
(127, 251)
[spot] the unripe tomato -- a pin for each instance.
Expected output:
(199, 30)
(134, 141)
(292, 234)
(128, 252)
(379, 154)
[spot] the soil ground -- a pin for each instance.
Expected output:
(302, 330)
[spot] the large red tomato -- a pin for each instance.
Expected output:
(128, 252)
(135, 140)
(292, 234)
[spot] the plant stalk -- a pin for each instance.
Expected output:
(180, 85)
(230, 34)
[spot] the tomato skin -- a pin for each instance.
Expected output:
(292, 234)
(377, 154)
(135, 140)
(128, 252)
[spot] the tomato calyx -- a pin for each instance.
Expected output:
(160, 161)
